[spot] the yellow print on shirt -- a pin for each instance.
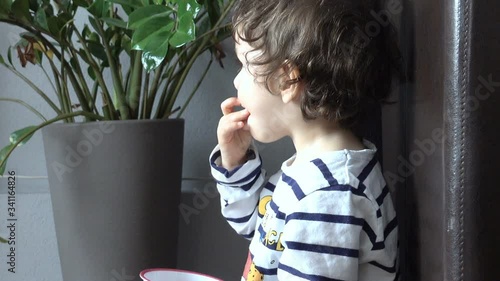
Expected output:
(263, 204)
(273, 239)
(254, 274)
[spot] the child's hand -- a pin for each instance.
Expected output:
(233, 134)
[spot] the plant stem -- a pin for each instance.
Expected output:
(81, 78)
(48, 78)
(76, 87)
(25, 105)
(100, 79)
(34, 87)
(66, 96)
(120, 96)
(154, 89)
(134, 90)
(126, 83)
(58, 118)
(145, 95)
(64, 91)
(57, 79)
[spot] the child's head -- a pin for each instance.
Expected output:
(341, 67)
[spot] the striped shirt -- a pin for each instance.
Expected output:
(330, 218)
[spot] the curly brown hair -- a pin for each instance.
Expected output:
(342, 68)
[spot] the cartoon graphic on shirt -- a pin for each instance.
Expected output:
(269, 236)
(264, 201)
(254, 274)
(272, 240)
(251, 273)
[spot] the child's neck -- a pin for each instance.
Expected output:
(312, 138)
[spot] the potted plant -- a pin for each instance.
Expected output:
(113, 148)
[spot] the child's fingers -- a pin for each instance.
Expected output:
(228, 105)
(233, 121)
(241, 115)
(227, 128)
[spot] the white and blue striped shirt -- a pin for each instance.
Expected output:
(330, 218)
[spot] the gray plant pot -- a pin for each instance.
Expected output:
(115, 188)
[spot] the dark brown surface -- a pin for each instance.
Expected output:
(448, 206)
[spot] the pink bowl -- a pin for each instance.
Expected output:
(168, 274)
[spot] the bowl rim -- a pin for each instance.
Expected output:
(143, 272)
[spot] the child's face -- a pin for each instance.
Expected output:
(266, 122)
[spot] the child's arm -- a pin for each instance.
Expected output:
(240, 191)
(237, 169)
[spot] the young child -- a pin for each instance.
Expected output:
(307, 74)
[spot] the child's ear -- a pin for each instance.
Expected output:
(289, 83)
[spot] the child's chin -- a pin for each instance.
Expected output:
(264, 136)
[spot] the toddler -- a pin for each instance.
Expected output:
(308, 71)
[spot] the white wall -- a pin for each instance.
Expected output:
(37, 257)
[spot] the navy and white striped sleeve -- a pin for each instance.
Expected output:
(239, 191)
(322, 236)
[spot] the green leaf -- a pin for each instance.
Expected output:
(91, 73)
(33, 4)
(39, 56)
(41, 19)
(73, 63)
(155, 50)
(188, 7)
(2, 61)
(14, 137)
(2, 240)
(93, 23)
(3, 157)
(9, 56)
(5, 6)
(128, 3)
(154, 45)
(80, 3)
(56, 25)
(49, 10)
(21, 9)
(109, 33)
(145, 14)
(115, 22)
(126, 44)
(97, 50)
(152, 32)
(86, 31)
(94, 37)
(185, 32)
(214, 11)
(99, 8)
(151, 61)
(66, 4)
